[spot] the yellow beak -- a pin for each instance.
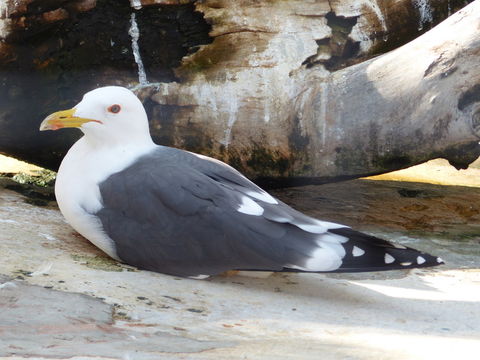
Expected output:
(63, 119)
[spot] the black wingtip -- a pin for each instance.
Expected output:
(369, 253)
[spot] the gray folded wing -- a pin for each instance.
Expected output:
(174, 212)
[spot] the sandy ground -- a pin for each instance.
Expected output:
(62, 298)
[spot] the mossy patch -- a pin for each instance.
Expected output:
(100, 263)
(349, 160)
(118, 313)
(208, 58)
(267, 162)
(20, 273)
(392, 161)
(459, 156)
(34, 195)
(41, 178)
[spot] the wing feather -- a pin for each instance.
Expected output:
(172, 217)
(178, 213)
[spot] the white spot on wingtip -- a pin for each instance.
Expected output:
(406, 263)
(420, 260)
(250, 207)
(357, 251)
(330, 225)
(333, 239)
(319, 226)
(280, 219)
(323, 259)
(326, 257)
(389, 259)
(311, 228)
(440, 260)
(263, 196)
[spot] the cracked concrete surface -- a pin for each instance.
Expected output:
(62, 298)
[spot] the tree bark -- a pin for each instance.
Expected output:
(305, 124)
(285, 91)
(413, 104)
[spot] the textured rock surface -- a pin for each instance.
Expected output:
(67, 324)
(61, 298)
(266, 86)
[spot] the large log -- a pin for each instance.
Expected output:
(416, 103)
(306, 124)
(266, 86)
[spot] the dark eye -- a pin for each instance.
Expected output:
(115, 108)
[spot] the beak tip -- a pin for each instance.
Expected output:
(45, 125)
(63, 119)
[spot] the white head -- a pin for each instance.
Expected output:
(107, 115)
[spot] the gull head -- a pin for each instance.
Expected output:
(107, 115)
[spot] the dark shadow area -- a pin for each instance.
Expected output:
(49, 66)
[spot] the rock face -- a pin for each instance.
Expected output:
(270, 87)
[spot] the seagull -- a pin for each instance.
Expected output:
(179, 213)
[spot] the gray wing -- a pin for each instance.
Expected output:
(178, 213)
(175, 213)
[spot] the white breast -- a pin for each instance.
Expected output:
(77, 186)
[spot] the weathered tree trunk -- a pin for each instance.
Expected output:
(270, 87)
(413, 104)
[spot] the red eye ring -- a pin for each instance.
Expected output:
(114, 109)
